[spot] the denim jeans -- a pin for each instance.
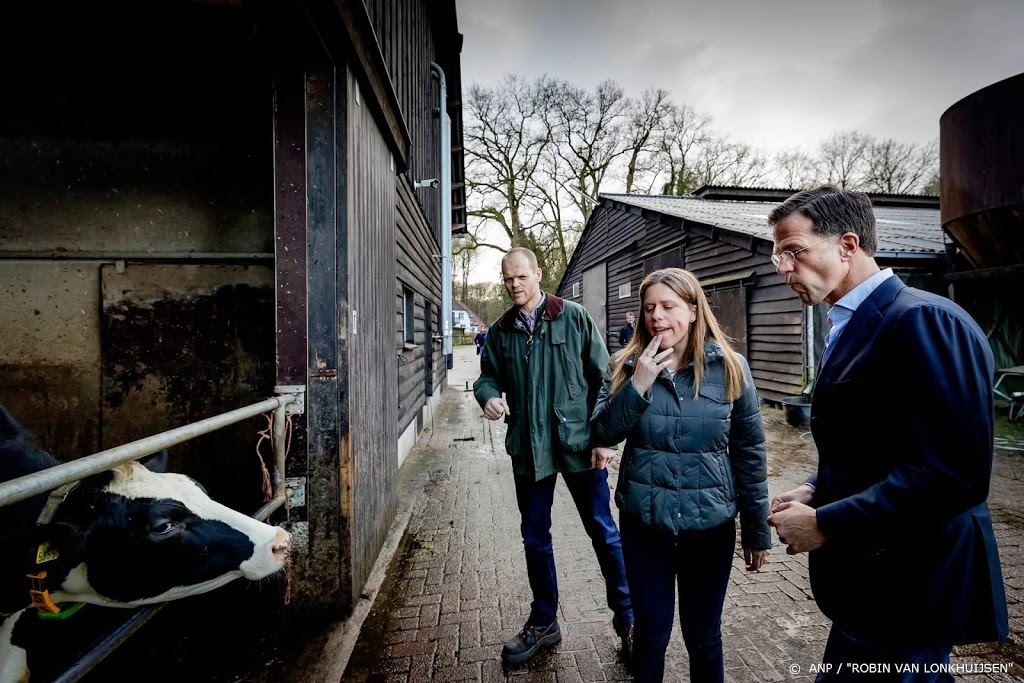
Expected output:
(589, 491)
(699, 563)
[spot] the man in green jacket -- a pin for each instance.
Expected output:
(547, 357)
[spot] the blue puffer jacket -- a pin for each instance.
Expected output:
(688, 464)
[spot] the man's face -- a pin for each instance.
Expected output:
(630, 318)
(521, 282)
(815, 272)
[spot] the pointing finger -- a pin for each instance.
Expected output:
(504, 404)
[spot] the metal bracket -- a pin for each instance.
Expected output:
(299, 392)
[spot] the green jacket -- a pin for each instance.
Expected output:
(551, 380)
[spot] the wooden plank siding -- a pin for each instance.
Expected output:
(405, 34)
(373, 367)
(419, 271)
(627, 237)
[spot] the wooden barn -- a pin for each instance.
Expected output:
(721, 234)
(204, 203)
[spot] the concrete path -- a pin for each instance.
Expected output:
(456, 587)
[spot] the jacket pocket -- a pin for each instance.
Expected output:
(573, 426)
(512, 436)
(716, 406)
(570, 366)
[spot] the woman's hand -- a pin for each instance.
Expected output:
(649, 364)
(754, 559)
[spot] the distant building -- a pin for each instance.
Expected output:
(721, 234)
(464, 321)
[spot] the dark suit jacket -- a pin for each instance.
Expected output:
(902, 416)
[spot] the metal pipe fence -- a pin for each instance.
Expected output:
(29, 485)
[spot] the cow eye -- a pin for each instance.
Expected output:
(165, 528)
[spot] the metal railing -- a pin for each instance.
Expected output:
(30, 485)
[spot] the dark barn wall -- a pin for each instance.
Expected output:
(183, 343)
(109, 159)
(373, 366)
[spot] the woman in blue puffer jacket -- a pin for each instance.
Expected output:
(686, 406)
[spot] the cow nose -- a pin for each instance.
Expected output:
(281, 545)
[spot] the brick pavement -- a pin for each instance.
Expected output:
(456, 588)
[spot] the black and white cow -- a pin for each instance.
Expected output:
(122, 538)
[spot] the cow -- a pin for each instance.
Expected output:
(122, 538)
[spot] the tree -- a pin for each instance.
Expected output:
(588, 130)
(899, 167)
(842, 159)
(645, 120)
(684, 133)
(505, 140)
(721, 162)
(795, 169)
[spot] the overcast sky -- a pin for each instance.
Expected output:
(771, 73)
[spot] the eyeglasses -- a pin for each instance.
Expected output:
(779, 259)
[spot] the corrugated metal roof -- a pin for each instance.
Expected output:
(900, 230)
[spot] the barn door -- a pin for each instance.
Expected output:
(729, 305)
(595, 296)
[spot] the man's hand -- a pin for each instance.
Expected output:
(754, 559)
(801, 494)
(601, 456)
(797, 526)
(496, 408)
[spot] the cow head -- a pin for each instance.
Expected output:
(122, 538)
(130, 536)
(142, 537)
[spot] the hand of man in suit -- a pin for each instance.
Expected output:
(804, 493)
(797, 526)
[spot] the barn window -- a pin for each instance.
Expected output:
(624, 291)
(409, 315)
(576, 290)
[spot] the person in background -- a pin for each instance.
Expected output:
(686, 406)
(480, 339)
(626, 331)
(903, 558)
(541, 370)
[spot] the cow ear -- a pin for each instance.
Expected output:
(156, 462)
(58, 546)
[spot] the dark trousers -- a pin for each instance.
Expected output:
(698, 563)
(590, 493)
(848, 658)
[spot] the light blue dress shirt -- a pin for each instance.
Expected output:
(843, 309)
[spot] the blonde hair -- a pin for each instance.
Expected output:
(703, 329)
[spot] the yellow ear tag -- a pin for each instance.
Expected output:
(46, 552)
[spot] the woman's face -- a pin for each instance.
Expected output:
(668, 315)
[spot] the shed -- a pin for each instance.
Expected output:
(721, 234)
(204, 202)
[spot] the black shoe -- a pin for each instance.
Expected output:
(529, 641)
(625, 632)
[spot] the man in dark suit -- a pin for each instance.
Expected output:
(902, 559)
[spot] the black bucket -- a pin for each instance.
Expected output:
(798, 410)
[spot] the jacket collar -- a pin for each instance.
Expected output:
(862, 327)
(553, 308)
